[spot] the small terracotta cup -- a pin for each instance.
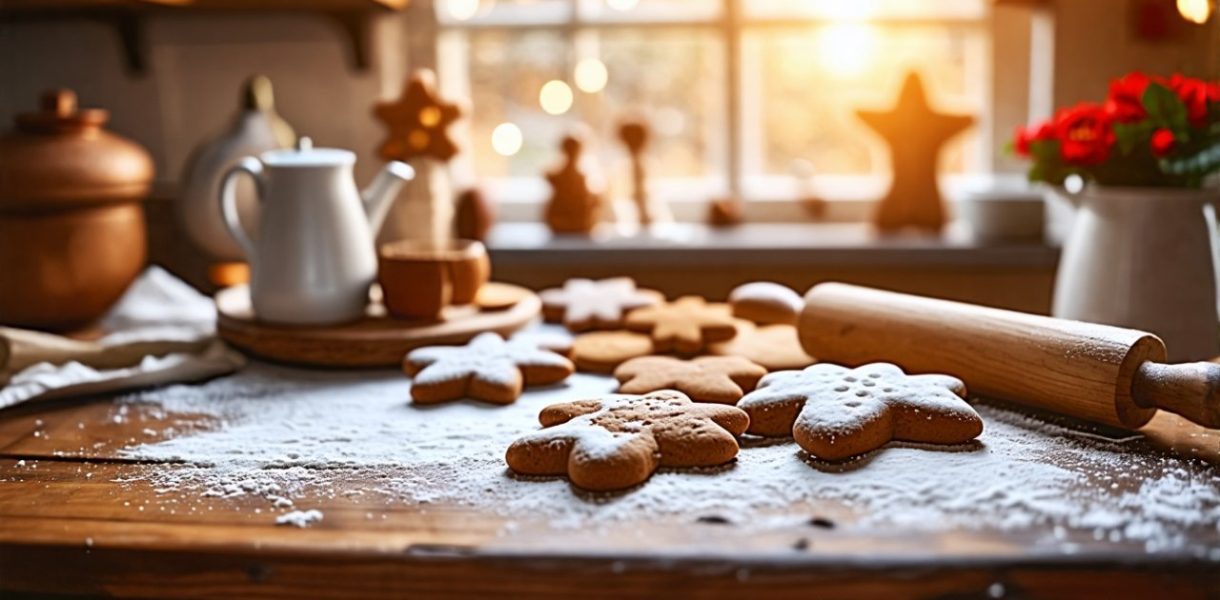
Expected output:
(418, 279)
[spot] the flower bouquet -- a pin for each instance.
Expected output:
(1149, 132)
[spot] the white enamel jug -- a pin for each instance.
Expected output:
(313, 257)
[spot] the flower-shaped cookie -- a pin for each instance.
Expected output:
(686, 325)
(584, 304)
(834, 412)
(619, 441)
(719, 379)
(488, 369)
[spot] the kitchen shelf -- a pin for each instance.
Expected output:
(127, 18)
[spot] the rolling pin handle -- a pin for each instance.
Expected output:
(1191, 390)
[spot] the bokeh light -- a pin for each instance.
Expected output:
(591, 75)
(555, 97)
(1196, 11)
(506, 139)
(462, 10)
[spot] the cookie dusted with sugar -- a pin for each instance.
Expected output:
(766, 303)
(488, 369)
(719, 379)
(835, 413)
(686, 325)
(618, 442)
(584, 304)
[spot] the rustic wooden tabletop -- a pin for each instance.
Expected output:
(78, 515)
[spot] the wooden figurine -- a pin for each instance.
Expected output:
(725, 212)
(915, 133)
(474, 216)
(634, 134)
(574, 207)
(417, 133)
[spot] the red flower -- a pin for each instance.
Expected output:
(1084, 134)
(1028, 135)
(1196, 94)
(1125, 103)
(1162, 142)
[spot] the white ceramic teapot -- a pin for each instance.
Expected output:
(313, 257)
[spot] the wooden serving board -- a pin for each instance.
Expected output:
(377, 340)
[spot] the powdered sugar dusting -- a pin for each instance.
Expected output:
(282, 433)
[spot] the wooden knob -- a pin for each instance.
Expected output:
(61, 102)
(1191, 390)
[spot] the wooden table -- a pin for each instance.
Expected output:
(69, 524)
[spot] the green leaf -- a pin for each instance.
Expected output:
(1166, 108)
(1199, 164)
(1131, 135)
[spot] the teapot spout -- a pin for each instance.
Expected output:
(380, 194)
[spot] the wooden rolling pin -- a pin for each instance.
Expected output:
(1100, 373)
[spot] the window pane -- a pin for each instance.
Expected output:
(518, 12)
(676, 75)
(649, 10)
(802, 88)
(888, 9)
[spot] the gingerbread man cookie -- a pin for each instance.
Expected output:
(686, 325)
(719, 379)
(583, 304)
(776, 347)
(834, 412)
(604, 351)
(766, 303)
(619, 441)
(488, 369)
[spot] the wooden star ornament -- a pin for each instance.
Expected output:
(417, 122)
(915, 133)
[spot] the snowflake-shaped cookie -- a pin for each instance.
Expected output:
(719, 379)
(488, 369)
(685, 325)
(584, 304)
(834, 412)
(619, 441)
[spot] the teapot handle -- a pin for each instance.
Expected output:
(228, 200)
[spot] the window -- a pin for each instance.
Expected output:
(753, 97)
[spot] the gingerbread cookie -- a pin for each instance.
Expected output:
(766, 303)
(686, 325)
(488, 369)
(617, 442)
(834, 412)
(604, 351)
(584, 304)
(776, 347)
(719, 379)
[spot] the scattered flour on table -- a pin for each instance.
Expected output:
(300, 518)
(281, 432)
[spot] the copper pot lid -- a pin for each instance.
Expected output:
(61, 157)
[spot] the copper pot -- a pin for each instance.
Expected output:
(72, 234)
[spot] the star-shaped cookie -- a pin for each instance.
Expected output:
(719, 379)
(417, 122)
(834, 412)
(488, 369)
(686, 325)
(619, 441)
(584, 304)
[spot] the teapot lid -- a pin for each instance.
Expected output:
(305, 155)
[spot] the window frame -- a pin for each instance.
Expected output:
(845, 194)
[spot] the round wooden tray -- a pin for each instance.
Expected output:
(377, 340)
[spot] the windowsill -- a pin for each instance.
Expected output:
(787, 244)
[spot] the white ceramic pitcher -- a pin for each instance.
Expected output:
(1144, 258)
(313, 257)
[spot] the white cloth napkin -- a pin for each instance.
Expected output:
(161, 331)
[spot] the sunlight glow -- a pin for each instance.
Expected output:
(462, 10)
(506, 139)
(555, 97)
(846, 49)
(1195, 11)
(622, 4)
